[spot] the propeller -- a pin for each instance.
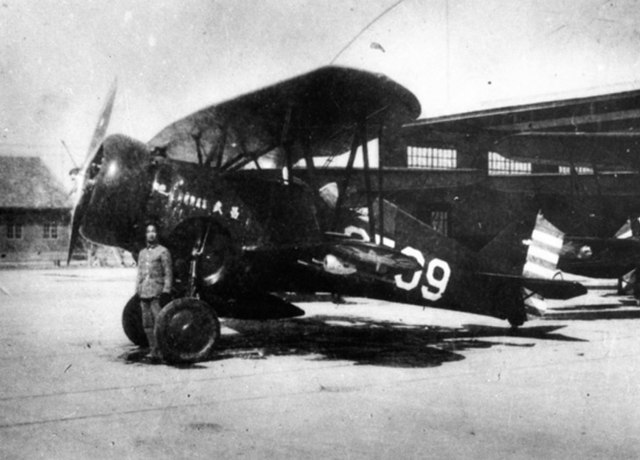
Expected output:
(89, 169)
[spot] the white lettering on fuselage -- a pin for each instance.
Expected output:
(437, 272)
(193, 201)
(159, 188)
(352, 230)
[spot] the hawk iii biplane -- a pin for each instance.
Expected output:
(241, 227)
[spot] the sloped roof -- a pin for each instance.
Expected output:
(25, 182)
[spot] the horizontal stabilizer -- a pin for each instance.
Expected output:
(554, 289)
(550, 289)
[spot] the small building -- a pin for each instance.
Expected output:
(35, 212)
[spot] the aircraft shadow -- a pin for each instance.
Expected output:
(364, 341)
(619, 310)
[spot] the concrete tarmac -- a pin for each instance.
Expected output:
(358, 380)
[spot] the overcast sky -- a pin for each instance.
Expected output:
(58, 58)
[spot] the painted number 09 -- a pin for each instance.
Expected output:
(437, 276)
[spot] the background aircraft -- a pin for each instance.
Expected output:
(596, 139)
(602, 257)
(237, 233)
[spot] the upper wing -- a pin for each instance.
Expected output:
(617, 149)
(320, 108)
(602, 130)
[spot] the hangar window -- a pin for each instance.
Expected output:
(440, 221)
(499, 165)
(14, 231)
(579, 170)
(431, 158)
(50, 230)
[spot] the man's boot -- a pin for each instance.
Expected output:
(154, 352)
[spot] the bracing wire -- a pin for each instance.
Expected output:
(363, 30)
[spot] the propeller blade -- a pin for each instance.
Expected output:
(103, 123)
(84, 185)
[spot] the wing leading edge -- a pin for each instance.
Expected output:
(320, 108)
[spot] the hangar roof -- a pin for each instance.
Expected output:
(25, 182)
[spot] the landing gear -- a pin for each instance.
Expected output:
(187, 330)
(132, 322)
(515, 322)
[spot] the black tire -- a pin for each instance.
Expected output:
(132, 322)
(515, 323)
(187, 329)
(517, 319)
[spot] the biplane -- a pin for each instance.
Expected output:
(224, 185)
(616, 257)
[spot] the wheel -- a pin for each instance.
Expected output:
(515, 323)
(187, 330)
(517, 319)
(132, 322)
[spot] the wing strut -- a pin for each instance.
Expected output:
(342, 190)
(305, 143)
(286, 143)
(380, 188)
(367, 181)
(311, 168)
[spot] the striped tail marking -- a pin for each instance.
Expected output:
(544, 250)
(630, 229)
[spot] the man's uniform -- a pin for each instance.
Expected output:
(155, 277)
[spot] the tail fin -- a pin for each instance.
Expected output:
(402, 229)
(635, 228)
(538, 279)
(625, 231)
(630, 229)
(407, 230)
(544, 250)
(627, 282)
(507, 252)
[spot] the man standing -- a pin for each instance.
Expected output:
(155, 277)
